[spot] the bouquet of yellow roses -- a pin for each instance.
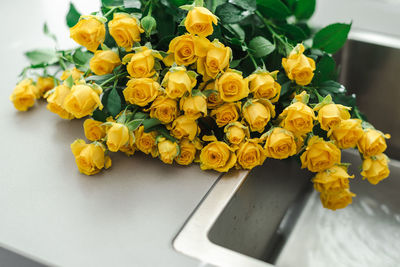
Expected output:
(224, 84)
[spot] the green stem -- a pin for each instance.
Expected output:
(252, 60)
(320, 98)
(113, 78)
(357, 113)
(111, 11)
(150, 8)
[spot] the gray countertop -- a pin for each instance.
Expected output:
(125, 216)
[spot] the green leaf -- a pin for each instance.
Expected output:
(229, 13)
(250, 5)
(99, 115)
(149, 123)
(293, 32)
(81, 58)
(325, 69)
(285, 88)
(273, 9)
(238, 31)
(261, 47)
(331, 38)
(69, 81)
(114, 102)
(112, 3)
(48, 33)
(133, 125)
(304, 9)
(179, 3)
(42, 56)
(99, 78)
(331, 87)
(72, 16)
(132, 4)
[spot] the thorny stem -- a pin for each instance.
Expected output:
(116, 77)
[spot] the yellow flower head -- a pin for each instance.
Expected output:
(257, 113)
(236, 132)
(280, 144)
(298, 67)
(347, 133)
(89, 32)
(250, 154)
(194, 106)
(24, 95)
(297, 118)
(104, 62)
(141, 91)
(178, 81)
(218, 156)
(216, 60)
(56, 99)
(164, 109)
(372, 143)
(330, 115)
(82, 101)
(167, 150)
(125, 30)
(141, 64)
(94, 130)
(320, 155)
(146, 142)
(90, 158)
(44, 84)
(199, 21)
(337, 201)
(184, 126)
(232, 86)
(188, 150)
(226, 113)
(375, 168)
(333, 180)
(263, 85)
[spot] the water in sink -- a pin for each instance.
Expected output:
(364, 234)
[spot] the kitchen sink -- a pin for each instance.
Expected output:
(271, 216)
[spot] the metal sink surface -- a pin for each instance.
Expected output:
(271, 216)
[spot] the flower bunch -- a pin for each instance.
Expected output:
(205, 95)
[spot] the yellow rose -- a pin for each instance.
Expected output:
(347, 133)
(82, 101)
(89, 32)
(141, 91)
(167, 150)
(44, 84)
(330, 116)
(177, 82)
(130, 148)
(372, 143)
(332, 181)
(199, 21)
(337, 201)
(216, 60)
(217, 156)
(213, 99)
(263, 85)
(164, 109)
(232, 86)
(56, 101)
(184, 126)
(297, 118)
(90, 158)
(104, 62)
(227, 113)
(118, 136)
(250, 154)
(24, 95)
(141, 64)
(280, 144)
(94, 130)
(185, 49)
(298, 67)
(125, 30)
(188, 151)
(194, 106)
(258, 113)
(146, 142)
(236, 133)
(319, 155)
(76, 74)
(375, 168)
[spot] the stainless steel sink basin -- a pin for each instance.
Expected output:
(271, 216)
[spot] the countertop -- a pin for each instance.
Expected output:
(125, 216)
